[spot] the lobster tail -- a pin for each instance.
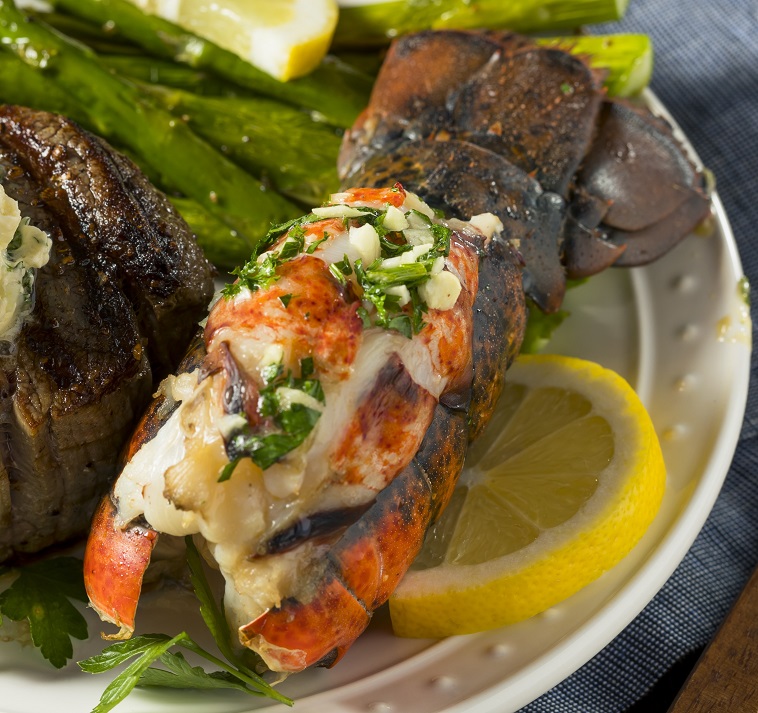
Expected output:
(317, 624)
(526, 132)
(347, 370)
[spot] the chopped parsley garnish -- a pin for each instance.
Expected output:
(314, 245)
(261, 274)
(389, 313)
(294, 244)
(254, 275)
(374, 279)
(286, 424)
(423, 217)
(340, 270)
(375, 217)
(391, 249)
(17, 238)
(276, 231)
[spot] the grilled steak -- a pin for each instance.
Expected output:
(114, 310)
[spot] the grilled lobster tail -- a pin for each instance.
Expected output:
(319, 620)
(342, 516)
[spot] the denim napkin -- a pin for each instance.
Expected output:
(706, 73)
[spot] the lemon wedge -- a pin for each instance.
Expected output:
(560, 487)
(286, 38)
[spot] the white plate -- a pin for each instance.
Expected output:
(680, 333)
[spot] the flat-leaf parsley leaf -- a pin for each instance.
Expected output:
(41, 594)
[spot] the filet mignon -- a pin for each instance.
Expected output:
(114, 309)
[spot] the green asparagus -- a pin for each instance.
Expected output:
(378, 23)
(170, 74)
(369, 61)
(275, 142)
(201, 81)
(101, 38)
(215, 238)
(628, 59)
(334, 90)
(26, 86)
(119, 111)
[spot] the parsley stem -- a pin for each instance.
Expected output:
(215, 620)
(242, 672)
(398, 275)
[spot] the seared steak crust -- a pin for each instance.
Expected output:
(114, 310)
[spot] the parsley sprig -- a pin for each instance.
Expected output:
(42, 594)
(176, 671)
(288, 427)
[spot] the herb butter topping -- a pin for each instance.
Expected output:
(397, 265)
(23, 249)
(292, 406)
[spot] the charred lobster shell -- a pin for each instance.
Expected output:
(349, 557)
(480, 122)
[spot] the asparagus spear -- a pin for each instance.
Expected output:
(378, 23)
(201, 81)
(27, 86)
(277, 143)
(102, 38)
(369, 61)
(214, 237)
(334, 90)
(628, 59)
(163, 72)
(119, 111)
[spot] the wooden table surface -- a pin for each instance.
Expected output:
(725, 679)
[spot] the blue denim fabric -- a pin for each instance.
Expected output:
(706, 73)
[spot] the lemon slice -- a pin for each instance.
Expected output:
(563, 483)
(286, 38)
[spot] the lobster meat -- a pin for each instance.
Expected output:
(319, 424)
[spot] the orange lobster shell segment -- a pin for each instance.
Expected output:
(114, 562)
(374, 554)
(297, 634)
